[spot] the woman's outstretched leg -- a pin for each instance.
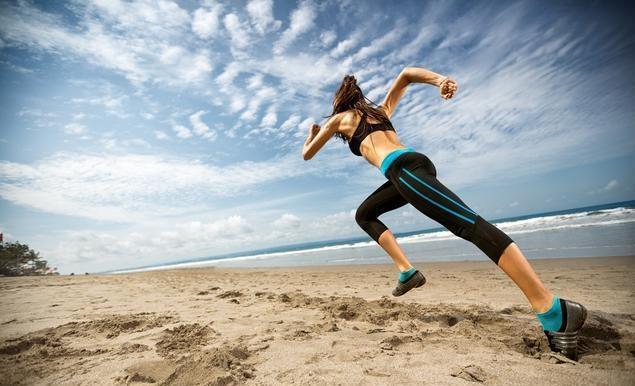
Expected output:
(415, 178)
(516, 266)
(561, 319)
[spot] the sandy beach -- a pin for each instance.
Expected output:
(331, 325)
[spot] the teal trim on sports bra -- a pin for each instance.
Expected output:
(391, 157)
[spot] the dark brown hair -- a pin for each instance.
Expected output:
(349, 96)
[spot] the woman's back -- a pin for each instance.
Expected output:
(369, 138)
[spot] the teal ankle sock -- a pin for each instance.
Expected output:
(405, 275)
(551, 320)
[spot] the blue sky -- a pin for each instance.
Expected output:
(137, 133)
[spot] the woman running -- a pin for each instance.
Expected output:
(411, 178)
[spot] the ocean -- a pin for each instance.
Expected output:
(600, 230)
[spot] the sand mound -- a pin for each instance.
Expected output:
(55, 338)
(154, 371)
(219, 366)
(225, 365)
(183, 338)
(29, 357)
(113, 325)
(229, 294)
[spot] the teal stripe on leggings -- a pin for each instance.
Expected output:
(432, 188)
(436, 203)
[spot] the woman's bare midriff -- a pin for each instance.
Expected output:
(376, 145)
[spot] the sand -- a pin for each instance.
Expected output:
(329, 325)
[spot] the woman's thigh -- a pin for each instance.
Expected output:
(417, 183)
(384, 199)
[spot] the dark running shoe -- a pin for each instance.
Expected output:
(416, 280)
(565, 340)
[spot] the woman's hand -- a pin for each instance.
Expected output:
(315, 128)
(448, 88)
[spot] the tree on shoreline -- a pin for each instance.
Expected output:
(19, 260)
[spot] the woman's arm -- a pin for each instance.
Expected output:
(319, 136)
(416, 75)
(447, 86)
(421, 75)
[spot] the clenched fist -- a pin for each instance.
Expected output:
(448, 88)
(315, 128)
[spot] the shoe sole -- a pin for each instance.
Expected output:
(421, 281)
(566, 343)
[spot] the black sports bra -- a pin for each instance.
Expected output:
(363, 129)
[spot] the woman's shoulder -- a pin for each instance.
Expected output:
(350, 116)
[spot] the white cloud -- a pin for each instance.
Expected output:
(302, 19)
(328, 37)
(270, 117)
(128, 38)
(200, 128)
(36, 113)
(239, 35)
(74, 128)
(185, 238)
(160, 135)
(144, 17)
(132, 188)
(261, 96)
(302, 72)
(385, 41)
(611, 185)
(205, 22)
(291, 122)
(228, 228)
(261, 13)
(255, 81)
(288, 221)
(347, 44)
(111, 143)
(427, 33)
(226, 78)
(107, 101)
(182, 131)
(335, 223)
(238, 102)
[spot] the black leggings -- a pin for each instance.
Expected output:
(412, 178)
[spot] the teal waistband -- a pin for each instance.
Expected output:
(391, 157)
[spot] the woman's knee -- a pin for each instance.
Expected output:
(487, 237)
(363, 215)
(368, 221)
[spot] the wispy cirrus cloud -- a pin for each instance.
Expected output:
(139, 40)
(301, 20)
(133, 187)
(261, 13)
